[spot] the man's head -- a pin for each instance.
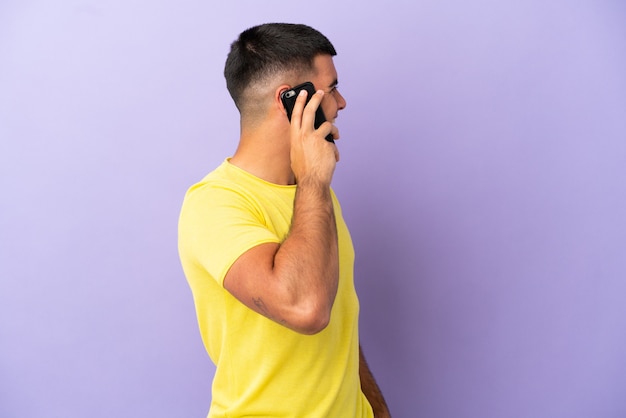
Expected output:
(267, 55)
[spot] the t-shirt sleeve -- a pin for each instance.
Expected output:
(217, 225)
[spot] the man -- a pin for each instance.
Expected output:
(266, 251)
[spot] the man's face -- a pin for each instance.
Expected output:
(326, 79)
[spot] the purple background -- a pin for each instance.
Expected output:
(482, 175)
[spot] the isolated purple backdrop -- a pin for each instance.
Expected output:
(482, 175)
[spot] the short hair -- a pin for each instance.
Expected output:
(267, 50)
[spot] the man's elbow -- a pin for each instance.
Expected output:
(311, 321)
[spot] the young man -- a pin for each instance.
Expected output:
(266, 251)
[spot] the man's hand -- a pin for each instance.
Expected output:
(312, 157)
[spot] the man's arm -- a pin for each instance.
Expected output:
(295, 283)
(371, 390)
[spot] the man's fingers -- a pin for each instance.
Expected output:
(305, 115)
(308, 115)
(328, 128)
(298, 107)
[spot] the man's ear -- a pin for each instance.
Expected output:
(277, 93)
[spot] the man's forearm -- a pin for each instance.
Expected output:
(371, 390)
(308, 259)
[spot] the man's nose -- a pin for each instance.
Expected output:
(341, 102)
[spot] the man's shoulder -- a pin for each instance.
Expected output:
(221, 177)
(224, 185)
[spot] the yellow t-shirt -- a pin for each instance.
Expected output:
(264, 369)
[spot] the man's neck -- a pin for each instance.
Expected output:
(264, 153)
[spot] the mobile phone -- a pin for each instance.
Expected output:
(289, 97)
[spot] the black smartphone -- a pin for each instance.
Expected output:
(289, 97)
